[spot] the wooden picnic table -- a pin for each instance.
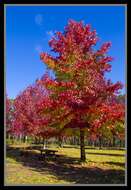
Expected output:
(48, 151)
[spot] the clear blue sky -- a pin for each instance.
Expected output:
(29, 28)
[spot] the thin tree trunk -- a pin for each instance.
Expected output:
(60, 141)
(20, 137)
(82, 146)
(100, 141)
(43, 142)
(114, 141)
(120, 143)
(24, 139)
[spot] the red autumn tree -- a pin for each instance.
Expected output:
(26, 121)
(108, 121)
(7, 110)
(9, 114)
(80, 86)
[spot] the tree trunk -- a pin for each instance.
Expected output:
(24, 139)
(36, 140)
(114, 141)
(60, 140)
(9, 136)
(100, 141)
(120, 143)
(82, 146)
(20, 137)
(44, 142)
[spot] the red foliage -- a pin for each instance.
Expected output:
(27, 121)
(80, 86)
(8, 114)
(80, 96)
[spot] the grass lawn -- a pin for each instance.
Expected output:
(102, 167)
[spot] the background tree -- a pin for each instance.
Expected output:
(27, 122)
(9, 115)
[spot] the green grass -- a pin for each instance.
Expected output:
(102, 167)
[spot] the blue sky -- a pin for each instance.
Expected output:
(29, 28)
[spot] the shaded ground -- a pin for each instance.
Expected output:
(22, 166)
(105, 154)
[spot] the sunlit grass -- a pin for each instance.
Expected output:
(19, 173)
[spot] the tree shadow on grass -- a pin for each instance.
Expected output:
(105, 154)
(116, 163)
(67, 168)
(121, 164)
